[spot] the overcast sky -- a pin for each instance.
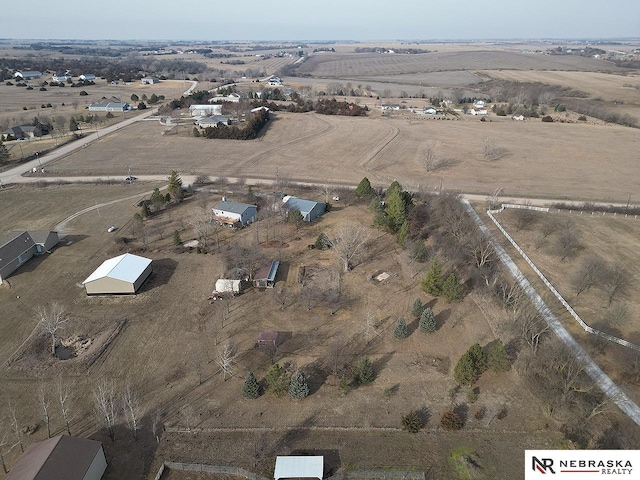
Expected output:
(324, 20)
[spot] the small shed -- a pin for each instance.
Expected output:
(225, 285)
(299, 467)
(268, 339)
(122, 275)
(265, 277)
(61, 457)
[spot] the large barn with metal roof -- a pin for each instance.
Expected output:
(123, 275)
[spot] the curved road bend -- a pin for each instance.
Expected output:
(600, 378)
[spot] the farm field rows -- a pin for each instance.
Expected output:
(550, 160)
(357, 65)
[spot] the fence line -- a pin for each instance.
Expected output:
(566, 305)
(380, 475)
(200, 467)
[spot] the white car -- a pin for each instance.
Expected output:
(336, 198)
(111, 229)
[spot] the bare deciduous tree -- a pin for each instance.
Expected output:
(63, 392)
(280, 296)
(156, 424)
(431, 155)
(347, 243)
(531, 329)
(567, 243)
(133, 410)
(591, 271)
(105, 404)
(43, 401)
(615, 281)
(548, 225)
(188, 417)
(204, 227)
(480, 249)
(524, 218)
(4, 441)
(489, 149)
(51, 320)
(15, 424)
(226, 359)
(617, 314)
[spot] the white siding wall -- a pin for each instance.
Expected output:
(97, 467)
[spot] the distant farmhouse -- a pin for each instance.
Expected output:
(232, 213)
(232, 98)
(18, 247)
(111, 105)
(85, 77)
(213, 121)
(150, 81)
(61, 77)
(27, 75)
(122, 275)
(61, 457)
(205, 110)
(309, 209)
(22, 131)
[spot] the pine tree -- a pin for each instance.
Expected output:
(176, 238)
(277, 381)
(403, 234)
(298, 388)
(144, 210)
(471, 364)
(195, 132)
(73, 125)
(364, 371)
(497, 358)
(364, 188)
(157, 199)
(175, 186)
(396, 210)
(427, 323)
(417, 308)
(451, 288)
(400, 329)
(4, 153)
(433, 282)
(251, 387)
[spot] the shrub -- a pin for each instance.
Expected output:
(450, 420)
(344, 386)
(471, 364)
(427, 323)
(400, 329)
(417, 308)
(176, 238)
(42, 89)
(480, 413)
(412, 422)
(83, 93)
(277, 380)
(322, 242)
(497, 358)
(547, 118)
(582, 118)
(472, 395)
(251, 387)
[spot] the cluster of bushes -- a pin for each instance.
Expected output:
(276, 382)
(335, 107)
(249, 132)
(475, 361)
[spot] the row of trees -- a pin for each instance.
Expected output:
(250, 131)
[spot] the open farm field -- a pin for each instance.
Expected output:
(550, 160)
(609, 86)
(357, 65)
(588, 293)
(167, 347)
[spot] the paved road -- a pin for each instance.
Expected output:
(615, 393)
(14, 175)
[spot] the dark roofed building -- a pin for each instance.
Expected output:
(235, 212)
(61, 458)
(265, 277)
(18, 247)
(309, 209)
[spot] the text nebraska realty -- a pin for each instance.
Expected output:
(607, 467)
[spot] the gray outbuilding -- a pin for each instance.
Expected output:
(122, 275)
(18, 247)
(61, 457)
(235, 212)
(309, 209)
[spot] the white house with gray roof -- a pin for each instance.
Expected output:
(309, 209)
(232, 213)
(27, 75)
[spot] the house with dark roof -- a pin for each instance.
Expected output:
(213, 121)
(309, 209)
(23, 131)
(16, 248)
(232, 213)
(61, 458)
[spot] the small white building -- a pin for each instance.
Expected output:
(232, 213)
(213, 121)
(226, 285)
(231, 98)
(150, 81)
(28, 75)
(519, 118)
(85, 77)
(61, 77)
(480, 104)
(299, 467)
(205, 110)
(122, 275)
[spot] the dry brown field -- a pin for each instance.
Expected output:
(170, 321)
(557, 160)
(597, 235)
(384, 64)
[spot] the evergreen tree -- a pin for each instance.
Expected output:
(427, 323)
(175, 186)
(176, 238)
(497, 358)
(451, 288)
(195, 132)
(298, 388)
(4, 153)
(322, 242)
(364, 371)
(144, 210)
(277, 381)
(251, 387)
(364, 188)
(394, 187)
(400, 329)
(471, 364)
(403, 234)
(433, 282)
(73, 125)
(417, 308)
(134, 97)
(157, 199)
(396, 210)
(412, 422)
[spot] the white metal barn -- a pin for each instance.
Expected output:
(61, 457)
(119, 275)
(299, 467)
